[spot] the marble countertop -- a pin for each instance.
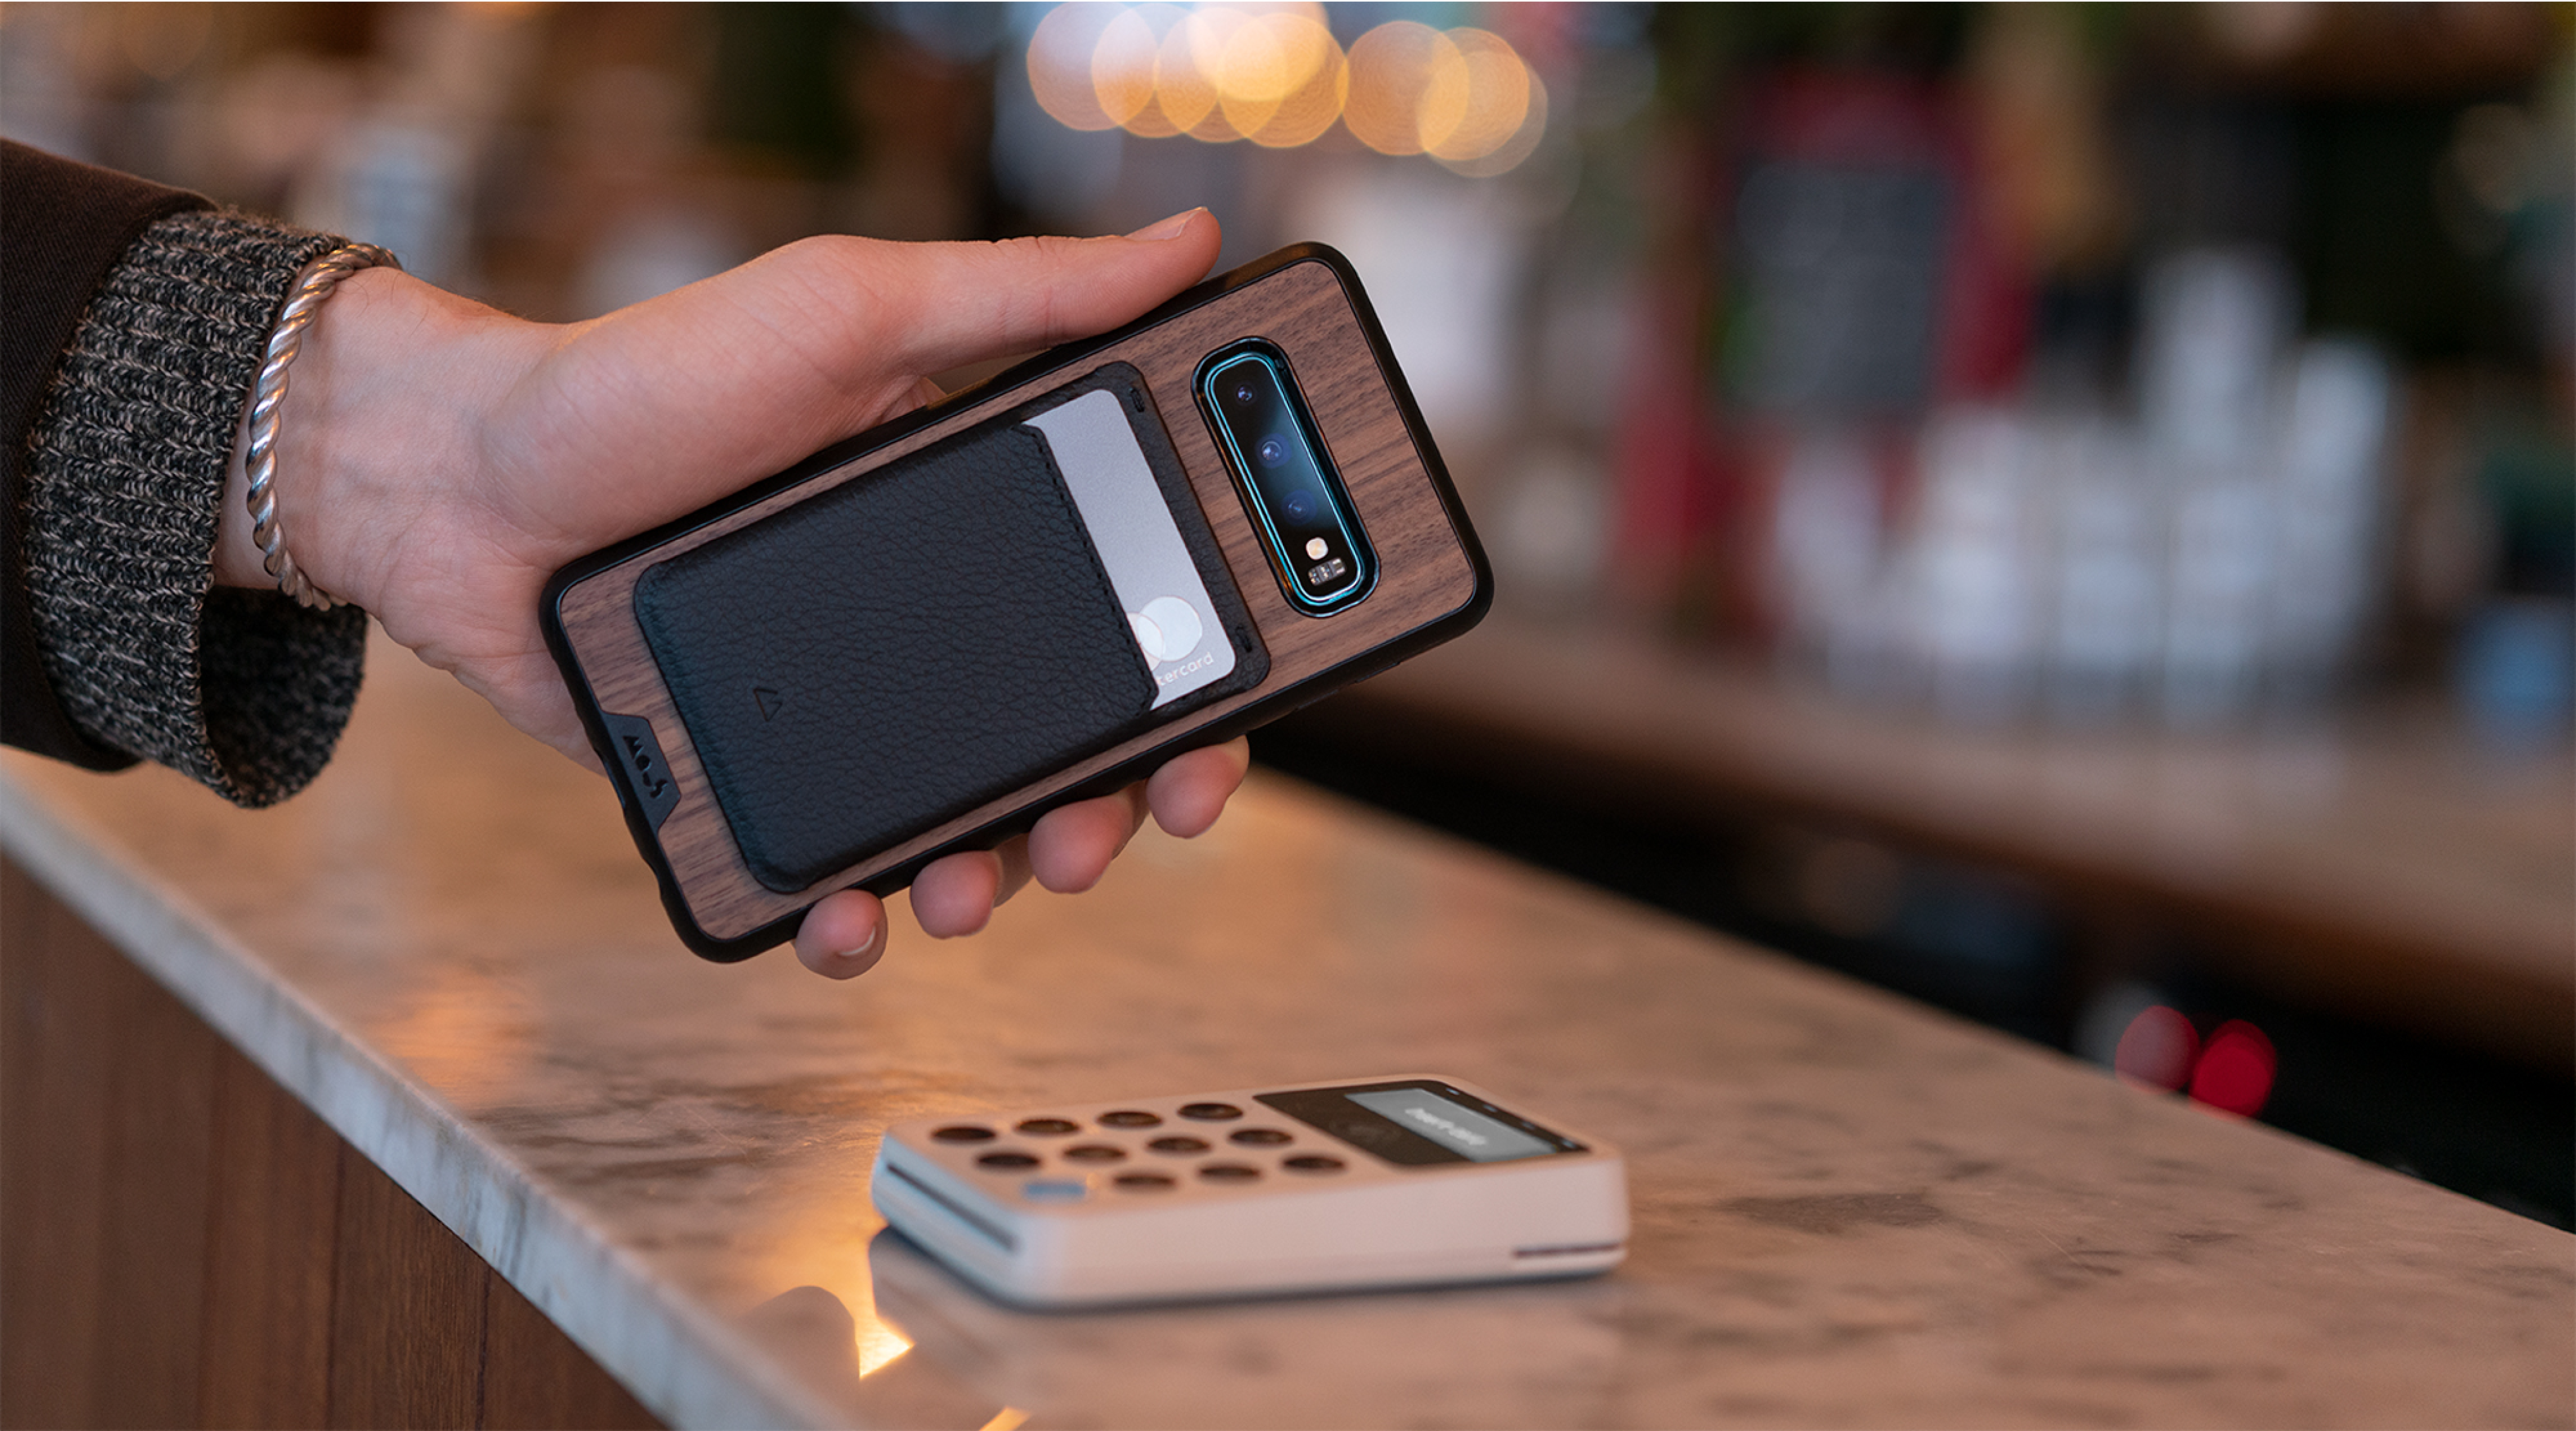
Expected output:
(1848, 1210)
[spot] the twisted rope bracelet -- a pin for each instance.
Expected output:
(318, 279)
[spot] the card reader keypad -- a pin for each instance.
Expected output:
(1047, 1153)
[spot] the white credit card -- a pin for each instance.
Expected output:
(1131, 525)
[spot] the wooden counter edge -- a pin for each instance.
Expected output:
(184, 1243)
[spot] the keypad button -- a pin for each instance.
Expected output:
(1094, 1153)
(1229, 1173)
(1006, 1162)
(1128, 1118)
(1179, 1143)
(1052, 1190)
(1146, 1182)
(1312, 1163)
(1048, 1127)
(964, 1133)
(1258, 1137)
(1211, 1112)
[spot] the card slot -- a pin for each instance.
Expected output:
(1179, 508)
(894, 652)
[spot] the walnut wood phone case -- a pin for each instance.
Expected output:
(903, 646)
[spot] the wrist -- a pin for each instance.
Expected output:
(377, 427)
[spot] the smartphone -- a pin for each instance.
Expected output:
(1393, 1181)
(920, 639)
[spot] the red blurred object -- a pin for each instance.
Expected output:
(1665, 487)
(2235, 1071)
(2156, 1049)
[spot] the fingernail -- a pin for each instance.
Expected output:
(1168, 228)
(875, 937)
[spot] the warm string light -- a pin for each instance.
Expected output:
(1273, 74)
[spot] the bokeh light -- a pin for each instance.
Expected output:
(1408, 88)
(1060, 64)
(1517, 146)
(2234, 1074)
(1126, 67)
(1273, 74)
(1284, 80)
(1495, 101)
(2157, 1049)
(1183, 88)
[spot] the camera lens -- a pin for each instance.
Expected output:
(1267, 436)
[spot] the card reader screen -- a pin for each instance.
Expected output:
(1463, 1130)
(1416, 1123)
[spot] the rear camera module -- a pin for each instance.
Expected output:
(1290, 487)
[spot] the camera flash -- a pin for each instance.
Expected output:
(1316, 547)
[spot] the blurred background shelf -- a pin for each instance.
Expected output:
(2386, 864)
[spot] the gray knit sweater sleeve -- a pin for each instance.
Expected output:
(125, 467)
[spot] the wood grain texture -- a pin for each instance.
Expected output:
(533, 1377)
(182, 1243)
(1425, 571)
(152, 1208)
(53, 1132)
(106, 1133)
(408, 1333)
(275, 1213)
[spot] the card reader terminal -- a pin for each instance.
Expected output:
(1382, 1182)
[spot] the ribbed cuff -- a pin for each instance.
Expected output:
(245, 691)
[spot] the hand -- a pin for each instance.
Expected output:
(438, 460)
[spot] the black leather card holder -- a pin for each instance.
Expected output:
(894, 652)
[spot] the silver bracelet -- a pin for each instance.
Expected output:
(315, 284)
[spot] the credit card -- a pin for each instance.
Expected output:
(1131, 526)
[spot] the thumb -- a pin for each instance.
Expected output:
(948, 304)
